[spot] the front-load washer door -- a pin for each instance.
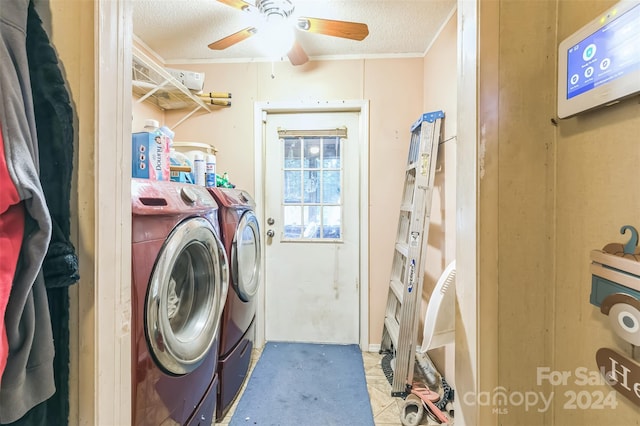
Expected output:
(186, 296)
(245, 257)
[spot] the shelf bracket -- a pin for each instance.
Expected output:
(183, 119)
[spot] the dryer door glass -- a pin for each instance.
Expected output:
(186, 296)
(246, 257)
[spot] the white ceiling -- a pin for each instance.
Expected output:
(179, 31)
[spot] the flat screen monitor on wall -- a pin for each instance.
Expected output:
(600, 63)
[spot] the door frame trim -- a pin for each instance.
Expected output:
(103, 356)
(261, 109)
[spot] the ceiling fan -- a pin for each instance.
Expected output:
(276, 16)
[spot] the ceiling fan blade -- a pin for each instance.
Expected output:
(297, 55)
(344, 29)
(237, 4)
(232, 39)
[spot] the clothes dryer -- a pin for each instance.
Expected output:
(179, 287)
(241, 237)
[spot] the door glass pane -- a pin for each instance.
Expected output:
(331, 187)
(312, 153)
(311, 222)
(331, 153)
(292, 152)
(331, 222)
(292, 186)
(312, 187)
(292, 222)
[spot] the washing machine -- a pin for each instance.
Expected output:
(179, 287)
(241, 238)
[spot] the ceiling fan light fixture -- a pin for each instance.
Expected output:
(276, 36)
(275, 24)
(284, 8)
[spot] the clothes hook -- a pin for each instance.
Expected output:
(631, 245)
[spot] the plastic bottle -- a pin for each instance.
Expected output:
(211, 171)
(151, 125)
(198, 169)
(167, 131)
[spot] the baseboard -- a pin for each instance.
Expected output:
(374, 348)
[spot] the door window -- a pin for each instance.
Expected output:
(312, 188)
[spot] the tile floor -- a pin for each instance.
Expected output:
(386, 409)
(255, 354)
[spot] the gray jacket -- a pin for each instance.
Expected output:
(28, 377)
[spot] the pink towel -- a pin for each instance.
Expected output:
(11, 231)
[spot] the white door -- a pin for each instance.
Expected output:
(312, 227)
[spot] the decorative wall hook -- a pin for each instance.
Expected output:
(629, 250)
(631, 245)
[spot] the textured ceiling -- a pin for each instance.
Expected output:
(179, 31)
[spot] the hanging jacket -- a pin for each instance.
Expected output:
(54, 125)
(28, 377)
(11, 233)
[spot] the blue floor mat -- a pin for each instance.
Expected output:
(304, 384)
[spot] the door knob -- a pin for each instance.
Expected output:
(270, 233)
(270, 221)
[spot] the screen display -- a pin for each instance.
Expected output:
(610, 53)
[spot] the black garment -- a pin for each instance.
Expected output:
(36, 416)
(54, 126)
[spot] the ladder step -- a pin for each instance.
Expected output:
(393, 328)
(402, 248)
(398, 289)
